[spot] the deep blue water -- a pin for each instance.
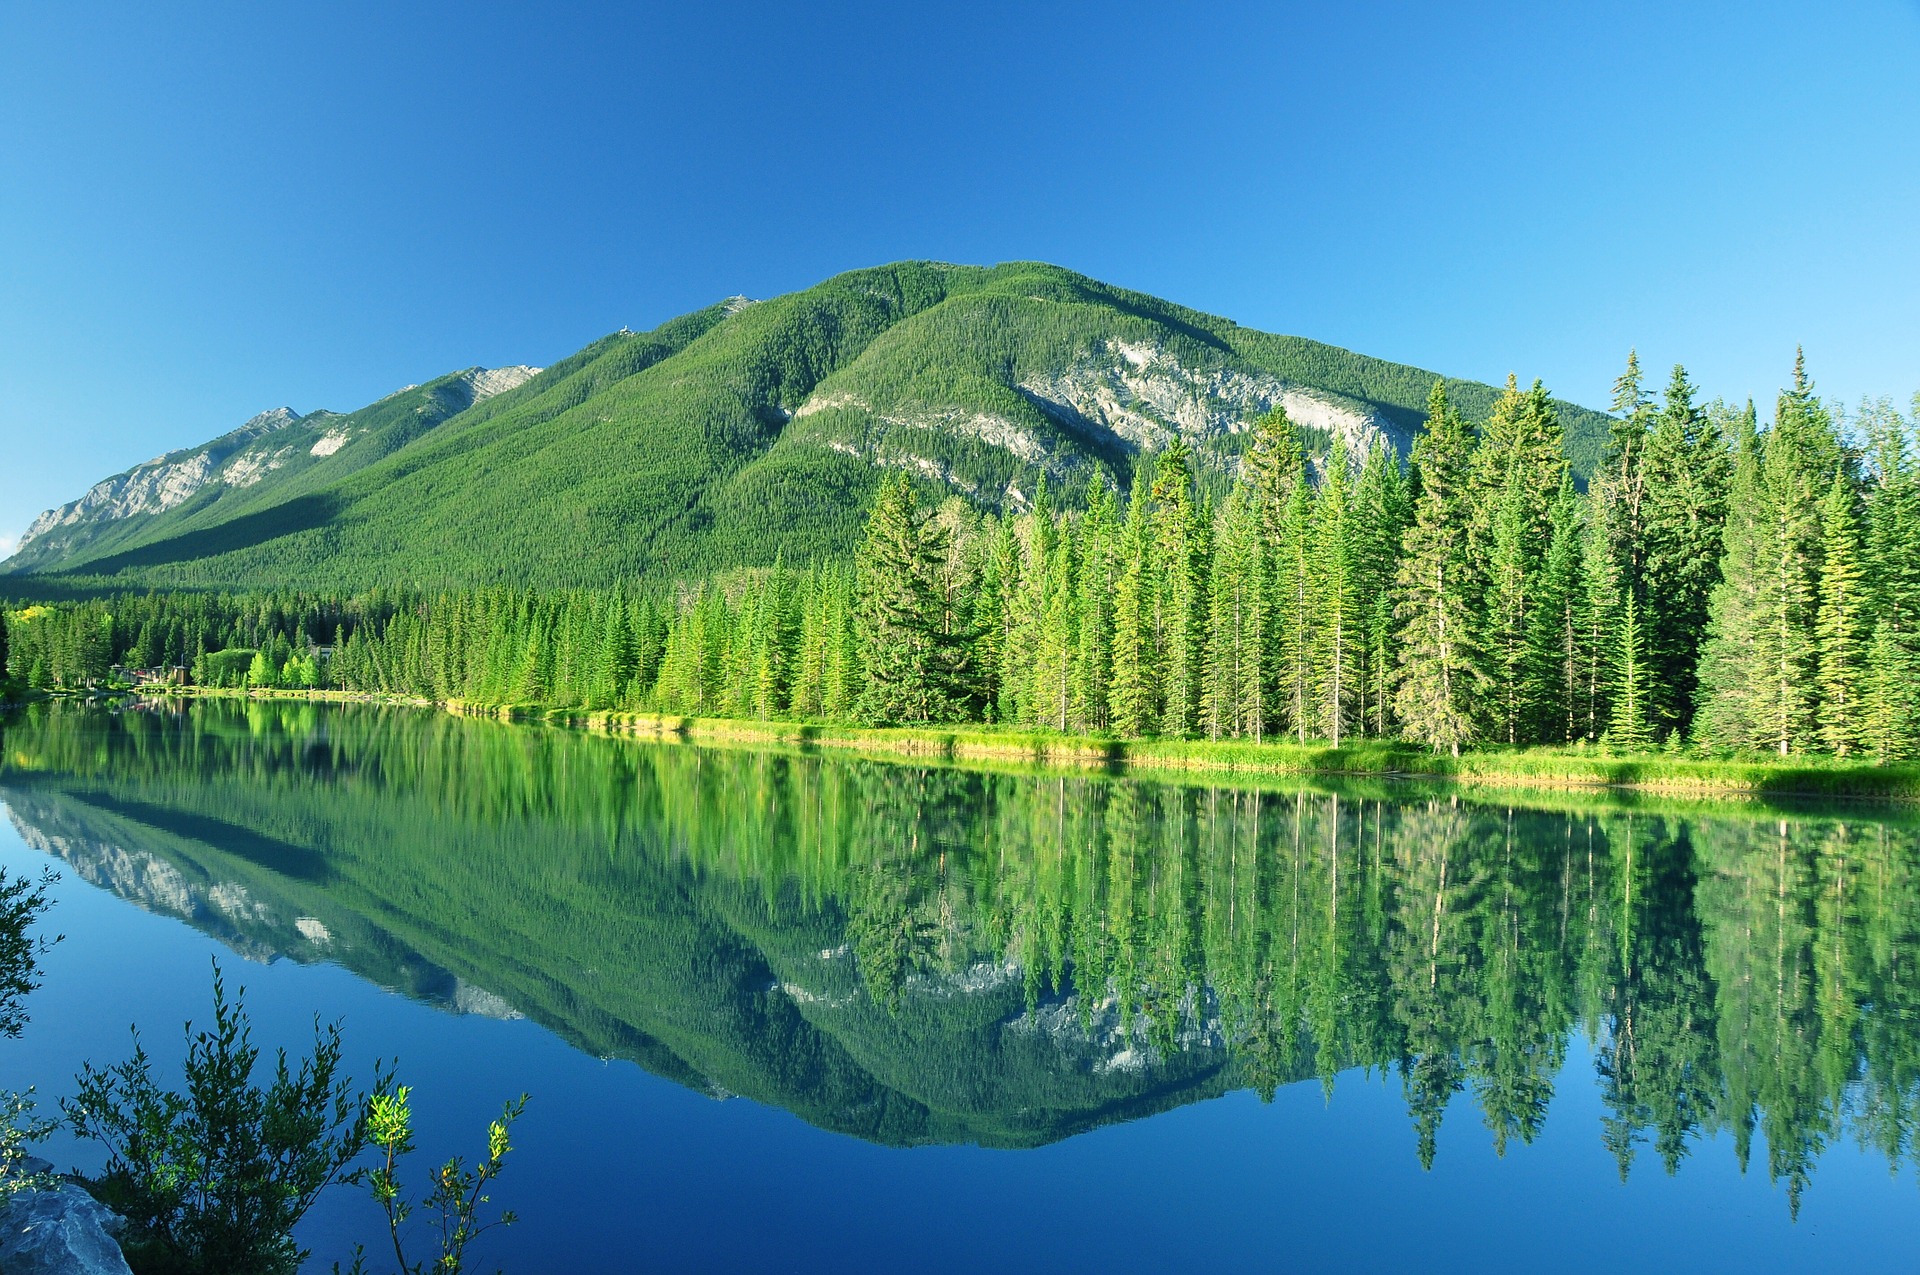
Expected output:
(434, 855)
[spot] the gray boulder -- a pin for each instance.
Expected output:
(63, 1231)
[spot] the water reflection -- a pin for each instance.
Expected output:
(921, 955)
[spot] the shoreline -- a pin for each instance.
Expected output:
(1546, 769)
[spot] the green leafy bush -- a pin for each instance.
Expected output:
(214, 1179)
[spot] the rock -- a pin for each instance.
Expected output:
(59, 1232)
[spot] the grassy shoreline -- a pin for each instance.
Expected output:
(1531, 768)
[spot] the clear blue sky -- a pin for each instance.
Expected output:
(208, 212)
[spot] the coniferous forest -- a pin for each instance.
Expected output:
(1721, 582)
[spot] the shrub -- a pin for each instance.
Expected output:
(214, 1179)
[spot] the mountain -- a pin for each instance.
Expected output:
(275, 455)
(739, 434)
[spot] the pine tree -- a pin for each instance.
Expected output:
(1516, 471)
(1893, 665)
(1276, 467)
(1180, 552)
(1134, 694)
(1628, 730)
(1093, 662)
(1381, 507)
(1684, 509)
(1799, 451)
(1728, 669)
(1505, 618)
(1842, 624)
(1559, 622)
(1440, 684)
(1059, 635)
(1336, 631)
(1233, 652)
(913, 668)
(1290, 615)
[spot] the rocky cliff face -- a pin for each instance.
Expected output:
(240, 458)
(1144, 396)
(163, 482)
(1121, 398)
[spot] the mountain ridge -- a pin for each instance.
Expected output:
(750, 432)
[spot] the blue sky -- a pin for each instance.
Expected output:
(205, 212)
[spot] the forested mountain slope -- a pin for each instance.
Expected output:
(751, 431)
(272, 459)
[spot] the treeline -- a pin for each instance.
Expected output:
(1718, 584)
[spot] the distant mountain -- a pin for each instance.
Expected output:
(266, 460)
(735, 435)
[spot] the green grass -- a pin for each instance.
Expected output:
(675, 452)
(1530, 768)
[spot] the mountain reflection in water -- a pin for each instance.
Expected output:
(919, 954)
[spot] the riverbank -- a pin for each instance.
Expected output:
(1529, 768)
(1518, 768)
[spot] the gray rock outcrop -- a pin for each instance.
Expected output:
(63, 1231)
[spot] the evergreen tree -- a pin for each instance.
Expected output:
(1441, 685)
(1628, 730)
(1381, 508)
(1233, 652)
(1290, 615)
(1730, 693)
(1093, 662)
(1276, 467)
(1337, 642)
(1559, 622)
(1842, 624)
(1180, 551)
(914, 669)
(1133, 699)
(1684, 509)
(1800, 450)
(1893, 664)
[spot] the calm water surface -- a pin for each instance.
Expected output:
(793, 1012)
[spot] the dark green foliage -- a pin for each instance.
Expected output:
(22, 902)
(1441, 682)
(214, 1179)
(915, 652)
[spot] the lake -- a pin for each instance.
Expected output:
(799, 1011)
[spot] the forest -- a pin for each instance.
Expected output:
(1717, 584)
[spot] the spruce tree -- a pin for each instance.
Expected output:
(1093, 663)
(1180, 552)
(1059, 636)
(1893, 665)
(1559, 624)
(1686, 476)
(1800, 450)
(1729, 687)
(1134, 693)
(1337, 644)
(1440, 683)
(915, 672)
(1628, 730)
(1381, 507)
(1290, 614)
(1232, 693)
(1842, 627)
(1276, 467)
